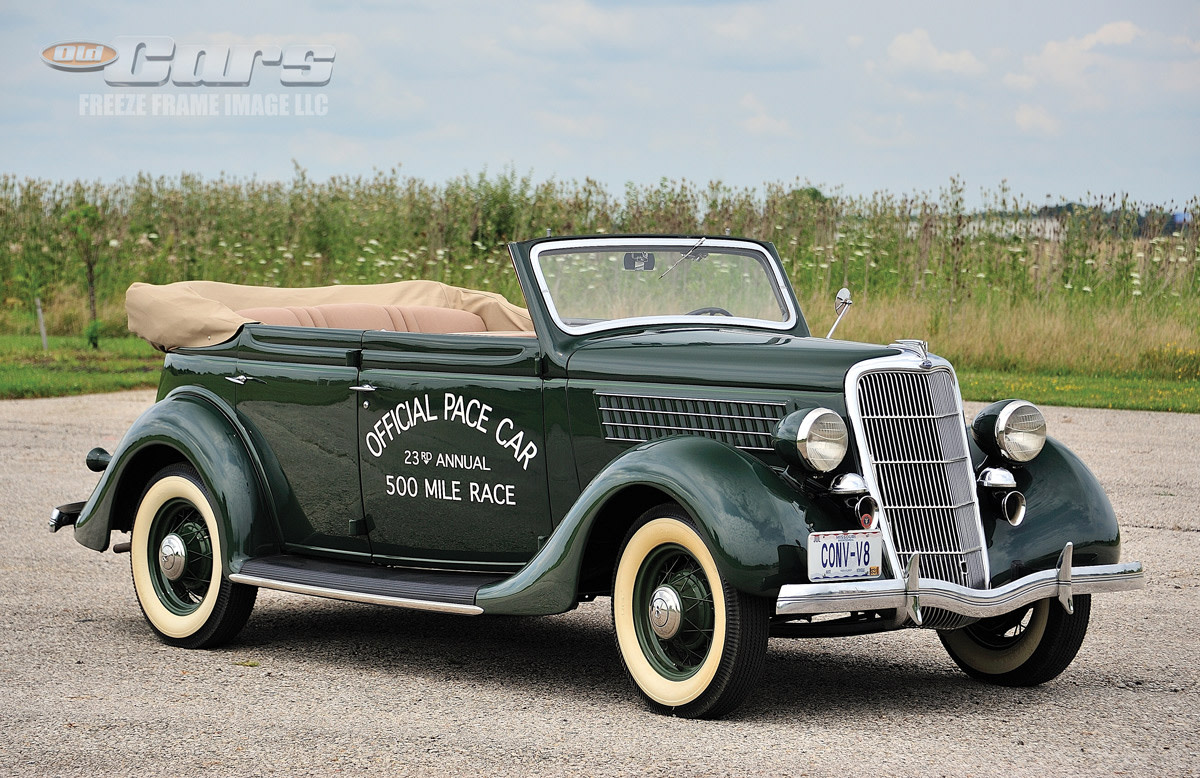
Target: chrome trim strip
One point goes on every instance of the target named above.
(844, 597)
(684, 413)
(341, 594)
(953, 461)
(672, 428)
(912, 416)
(647, 440)
(772, 403)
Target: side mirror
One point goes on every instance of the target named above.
(841, 304)
(842, 300)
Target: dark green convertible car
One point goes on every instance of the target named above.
(659, 427)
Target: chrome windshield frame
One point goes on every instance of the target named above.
(782, 287)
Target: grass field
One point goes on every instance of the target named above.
(1105, 292)
(72, 367)
(1128, 392)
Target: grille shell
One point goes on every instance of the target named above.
(912, 442)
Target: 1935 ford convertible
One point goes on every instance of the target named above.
(658, 427)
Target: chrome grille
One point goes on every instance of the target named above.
(639, 418)
(916, 449)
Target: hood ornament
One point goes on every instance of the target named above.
(918, 348)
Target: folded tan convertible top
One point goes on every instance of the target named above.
(201, 313)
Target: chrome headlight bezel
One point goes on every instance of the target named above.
(817, 439)
(1014, 430)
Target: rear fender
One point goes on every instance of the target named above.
(195, 426)
(755, 524)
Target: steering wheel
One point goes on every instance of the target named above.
(709, 311)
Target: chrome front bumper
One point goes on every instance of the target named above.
(913, 592)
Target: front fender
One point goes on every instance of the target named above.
(754, 523)
(1064, 503)
(196, 426)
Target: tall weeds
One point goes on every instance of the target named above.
(1109, 284)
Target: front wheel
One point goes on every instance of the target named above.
(692, 645)
(1027, 647)
(176, 558)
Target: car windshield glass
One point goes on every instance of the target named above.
(597, 286)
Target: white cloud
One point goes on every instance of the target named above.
(915, 51)
(1022, 81)
(570, 126)
(1073, 63)
(881, 131)
(569, 24)
(898, 97)
(1114, 33)
(741, 24)
(1187, 43)
(316, 147)
(760, 122)
(1036, 120)
(748, 24)
(1182, 77)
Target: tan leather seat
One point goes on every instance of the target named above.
(364, 316)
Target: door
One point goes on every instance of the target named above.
(294, 396)
(451, 448)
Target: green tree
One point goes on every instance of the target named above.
(84, 224)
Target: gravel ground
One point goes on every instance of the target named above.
(316, 687)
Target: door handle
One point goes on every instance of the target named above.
(363, 388)
(241, 380)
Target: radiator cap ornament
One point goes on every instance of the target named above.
(918, 347)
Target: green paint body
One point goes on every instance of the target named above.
(299, 459)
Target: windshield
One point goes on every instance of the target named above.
(602, 283)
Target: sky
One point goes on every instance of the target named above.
(1058, 100)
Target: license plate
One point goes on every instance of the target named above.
(837, 555)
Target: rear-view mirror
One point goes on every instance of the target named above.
(639, 260)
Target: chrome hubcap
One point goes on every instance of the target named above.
(666, 611)
(172, 557)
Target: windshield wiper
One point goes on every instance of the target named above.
(685, 255)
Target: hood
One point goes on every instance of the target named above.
(722, 358)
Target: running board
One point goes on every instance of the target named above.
(427, 590)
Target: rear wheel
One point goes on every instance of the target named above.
(692, 645)
(1027, 647)
(176, 559)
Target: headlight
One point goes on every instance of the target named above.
(1013, 429)
(816, 439)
